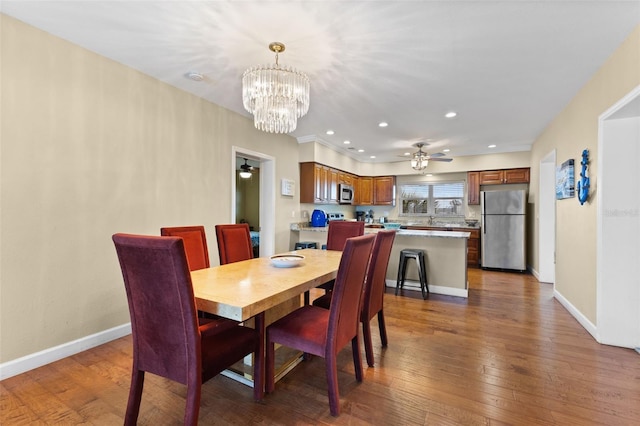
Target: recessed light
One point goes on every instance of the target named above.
(429, 174)
(446, 150)
(407, 153)
(195, 76)
(330, 132)
(361, 150)
(372, 156)
(491, 146)
(450, 114)
(346, 142)
(383, 124)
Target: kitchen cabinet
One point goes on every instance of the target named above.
(320, 184)
(473, 188)
(384, 190)
(492, 177)
(364, 191)
(332, 185)
(314, 183)
(497, 177)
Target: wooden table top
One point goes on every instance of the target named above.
(242, 290)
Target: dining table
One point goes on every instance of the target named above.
(249, 289)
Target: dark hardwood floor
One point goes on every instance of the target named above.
(509, 354)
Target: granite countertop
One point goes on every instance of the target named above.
(401, 232)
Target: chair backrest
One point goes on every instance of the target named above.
(164, 323)
(340, 230)
(234, 242)
(344, 313)
(195, 244)
(377, 274)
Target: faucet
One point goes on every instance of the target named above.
(430, 220)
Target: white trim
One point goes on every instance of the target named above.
(267, 196)
(436, 289)
(47, 356)
(603, 332)
(584, 321)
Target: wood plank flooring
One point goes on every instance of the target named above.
(509, 354)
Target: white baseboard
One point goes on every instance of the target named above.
(584, 322)
(38, 359)
(447, 291)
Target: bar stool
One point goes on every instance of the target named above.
(418, 255)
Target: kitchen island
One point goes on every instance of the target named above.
(446, 257)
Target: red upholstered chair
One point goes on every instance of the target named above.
(373, 295)
(323, 332)
(234, 242)
(195, 244)
(340, 230)
(168, 338)
(338, 233)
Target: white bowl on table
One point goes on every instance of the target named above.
(286, 260)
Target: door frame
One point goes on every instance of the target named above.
(617, 297)
(547, 219)
(267, 195)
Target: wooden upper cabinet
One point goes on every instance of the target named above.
(491, 177)
(497, 177)
(346, 178)
(364, 191)
(516, 175)
(332, 185)
(384, 190)
(314, 180)
(473, 188)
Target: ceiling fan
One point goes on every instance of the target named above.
(420, 159)
(245, 170)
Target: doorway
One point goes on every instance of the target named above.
(618, 224)
(547, 220)
(267, 196)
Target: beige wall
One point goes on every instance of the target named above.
(573, 130)
(89, 148)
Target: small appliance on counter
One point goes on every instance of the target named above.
(360, 216)
(318, 218)
(335, 216)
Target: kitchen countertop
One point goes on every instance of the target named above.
(403, 232)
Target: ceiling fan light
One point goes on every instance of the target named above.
(245, 175)
(419, 163)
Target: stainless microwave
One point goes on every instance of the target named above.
(345, 193)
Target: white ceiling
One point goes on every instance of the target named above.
(506, 67)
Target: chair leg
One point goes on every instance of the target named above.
(306, 298)
(332, 385)
(270, 382)
(135, 396)
(383, 328)
(421, 277)
(192, 408)
(357, 358)
(368, 346)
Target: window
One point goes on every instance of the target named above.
(432, 199)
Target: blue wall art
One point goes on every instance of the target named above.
(565, 180)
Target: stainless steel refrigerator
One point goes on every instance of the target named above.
(503, 229)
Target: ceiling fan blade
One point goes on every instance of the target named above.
(437, 154)
(447, 160)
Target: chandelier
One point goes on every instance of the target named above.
(275, 96)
